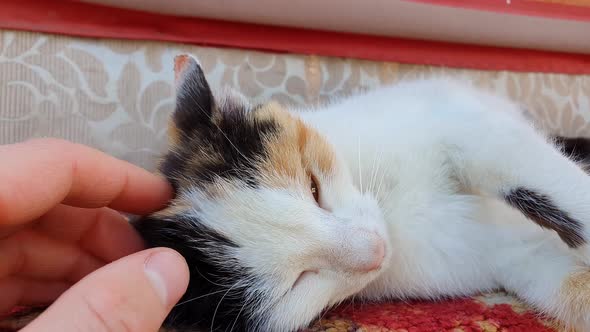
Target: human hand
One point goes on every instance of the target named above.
(60, 231)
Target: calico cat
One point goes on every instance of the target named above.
(425, 189)
(422, 190)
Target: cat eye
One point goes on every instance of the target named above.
(315, 189)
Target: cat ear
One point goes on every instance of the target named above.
(195, 104)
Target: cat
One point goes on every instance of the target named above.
(425, 189)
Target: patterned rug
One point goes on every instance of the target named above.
(492, 312)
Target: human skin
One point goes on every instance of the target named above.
(62, 240)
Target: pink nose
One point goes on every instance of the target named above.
(378, 255)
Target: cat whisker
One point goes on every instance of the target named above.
(209, 281)
(237, 317)
(219, 303)
(378, 175)
(377, 162)
(360, 173)
(199, 297)
(383, 172)
(373, 171)
(323, 314)
(221, 131)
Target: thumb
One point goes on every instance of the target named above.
(133, 294)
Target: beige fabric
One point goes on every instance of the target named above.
(116, 95)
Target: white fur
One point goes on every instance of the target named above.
(439, 138)
(421, 166)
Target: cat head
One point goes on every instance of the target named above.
(266, 214)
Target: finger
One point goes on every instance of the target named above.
(104, 233)
(33, 255)
(7, 230)
(133, 294)
(25, 292)
(40, 174)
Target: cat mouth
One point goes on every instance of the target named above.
(303, 276)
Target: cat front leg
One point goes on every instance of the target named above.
(550, 280)
(500, 155)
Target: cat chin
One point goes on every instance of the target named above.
(299, 312)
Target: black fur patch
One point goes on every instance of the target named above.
(231, 134)
(194, 101)
(577, 148)
(213, 143)
(236, 143)
(541, 209)
(209, 295)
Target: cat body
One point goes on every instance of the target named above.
(426, 189)
(447, 236)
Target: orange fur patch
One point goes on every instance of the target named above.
(173, 133)
(575, 293)
(178, 207)
(316, 149)
(295, 151)
(180, 63)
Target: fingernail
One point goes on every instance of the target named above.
(168, 273)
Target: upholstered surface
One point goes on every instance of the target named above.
(116, 96)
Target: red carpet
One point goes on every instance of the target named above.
(461, 315)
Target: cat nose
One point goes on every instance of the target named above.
(377, 255)
(357, 250)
